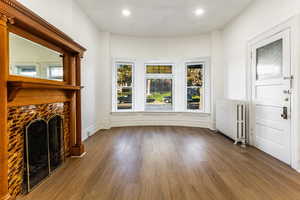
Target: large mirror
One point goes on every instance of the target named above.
(27, 58)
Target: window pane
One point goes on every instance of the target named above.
(195, 75)
(159, 95)
(269, 60)
(124, 75)
(194, 98)
(159, 69)
(124, 98)
(194, 86)
(124, 86)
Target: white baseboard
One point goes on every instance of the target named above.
(296, 166)
(106, 124)
(81, 156)
(151, 119)
(91, 130)
(161, 119)
(213, 126)
(141, 122)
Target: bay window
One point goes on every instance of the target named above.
(160, 87)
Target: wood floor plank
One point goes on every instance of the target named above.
(169, 163)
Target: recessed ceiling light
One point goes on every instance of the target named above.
(126, 12)
(199, 12)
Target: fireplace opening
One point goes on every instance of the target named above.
(55, 142)
(44, 150)
(36, 149)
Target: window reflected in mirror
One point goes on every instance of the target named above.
(27, 58)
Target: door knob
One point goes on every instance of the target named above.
(284, 114)
(288, 78)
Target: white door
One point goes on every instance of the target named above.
(271, 89)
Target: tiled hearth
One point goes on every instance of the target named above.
(18, 119)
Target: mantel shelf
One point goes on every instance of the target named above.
(15, 86)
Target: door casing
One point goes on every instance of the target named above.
(292, 24)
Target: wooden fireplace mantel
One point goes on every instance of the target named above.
(19, 91)
(33, 85)
(15, 86)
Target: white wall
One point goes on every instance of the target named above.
(217, 71)
(96, 65)
(160, 48)
(259, 17)
(68, 17)
(227, 51)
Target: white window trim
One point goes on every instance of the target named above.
(160, 76)
(177, 81)
(117, 62)
(206, 88)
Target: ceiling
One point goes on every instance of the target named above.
(162, 17)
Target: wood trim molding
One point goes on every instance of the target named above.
(78, 148)
(33, 85)
(4, 195)
(21, 16)
(15, 78)
(22, 9)
(7, 19)
(15, 86)
(7, 197)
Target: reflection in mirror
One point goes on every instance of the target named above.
(27, 58)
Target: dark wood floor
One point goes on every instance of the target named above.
(162, 163)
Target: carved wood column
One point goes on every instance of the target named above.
(78, 148)
(4, 195)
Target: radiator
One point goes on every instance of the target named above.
(231, 120)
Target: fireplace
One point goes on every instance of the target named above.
(36, 154)
(40, 115)
(39, 121)
(43, 150)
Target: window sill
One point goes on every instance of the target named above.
(160, 112)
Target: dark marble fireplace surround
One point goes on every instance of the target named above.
(38, 134)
